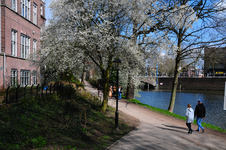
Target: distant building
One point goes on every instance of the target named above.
(21, 22)
(188, 72)
(214, 61)
(191, 71)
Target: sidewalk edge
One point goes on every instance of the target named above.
(112, 145)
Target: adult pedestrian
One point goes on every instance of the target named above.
(110, 92)
(189, 117)
(119, 92)
(200, 113)
(99, 90)
(114, 90)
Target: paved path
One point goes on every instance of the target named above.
(159, 132)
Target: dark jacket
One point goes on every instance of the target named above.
(200, 110)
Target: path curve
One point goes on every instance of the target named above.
(158, 131)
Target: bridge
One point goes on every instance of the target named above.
(148, 79)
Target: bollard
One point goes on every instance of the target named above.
(42, 90)
(17, 93)
(7, 95)
(46, 89)
(50, 88)
(25, 91)
(31, 89)
(37, 90)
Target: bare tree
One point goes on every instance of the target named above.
(191, 26)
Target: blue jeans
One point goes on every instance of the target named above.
(119, 97)
(199, 120)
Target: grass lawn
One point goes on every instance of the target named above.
(59, 122)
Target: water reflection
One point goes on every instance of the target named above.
(213, 100)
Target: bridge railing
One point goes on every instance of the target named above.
(182, 77)
(193, 77)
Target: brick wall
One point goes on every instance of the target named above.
(22, 26)
(13, 20)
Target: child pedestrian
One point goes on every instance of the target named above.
(190, 117)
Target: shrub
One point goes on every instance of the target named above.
(93, 82)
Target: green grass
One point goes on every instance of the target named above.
(59, 122)
(166, 112)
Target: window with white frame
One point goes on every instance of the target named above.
(25, 46)
(13, 77)
(34, 75)
(25, 77)
(41, 9)
(34, 13)
(34, 49)
(14, 5)
(25, 9)
(14, 43)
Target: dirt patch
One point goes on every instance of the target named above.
(129, 120)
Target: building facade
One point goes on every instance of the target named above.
(214, 61)
(21, 23)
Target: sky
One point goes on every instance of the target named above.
(48, 13)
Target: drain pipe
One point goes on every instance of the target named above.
(1, 49)
(3, 69)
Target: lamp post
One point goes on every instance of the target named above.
(116, 65)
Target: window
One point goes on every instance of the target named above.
(25, 9)
(13, 77)
(25, 46)
(34, 49)
(25, 78)
(14, 43)
(34, 13)
(41, 9)
(14, 5)
(34, 75)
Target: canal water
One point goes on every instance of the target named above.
(213, 101)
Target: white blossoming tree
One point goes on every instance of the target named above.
(89, 29)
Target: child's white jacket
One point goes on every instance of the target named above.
(189, 115)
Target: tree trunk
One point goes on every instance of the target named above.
(105, 91)
(174, 88)
(176, 74)
(83, 76)
(130, 89)
(214, 71)
(84, 71)
(105, 98)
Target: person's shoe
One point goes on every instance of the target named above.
(197, 130)
(203, 130)
(189, 132)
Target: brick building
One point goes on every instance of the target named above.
(21, 23)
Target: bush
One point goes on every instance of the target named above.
(93, 82)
